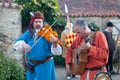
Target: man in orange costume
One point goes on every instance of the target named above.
(97, 51)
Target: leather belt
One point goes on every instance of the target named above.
(37, 62)
(94, 68)
(29, 67)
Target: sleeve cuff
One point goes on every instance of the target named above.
(57, 50)
(18, 46)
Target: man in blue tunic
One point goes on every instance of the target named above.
(39, 51)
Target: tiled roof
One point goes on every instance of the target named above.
(84, 8)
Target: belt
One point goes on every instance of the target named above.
(94, 68)
(37, 62)
(29, 67)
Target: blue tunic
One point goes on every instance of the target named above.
(40, 51)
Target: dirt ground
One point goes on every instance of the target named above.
(60, 71)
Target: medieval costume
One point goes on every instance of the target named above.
(42, 52)
(97, 55)
(67, 31)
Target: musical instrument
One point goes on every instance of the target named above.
(102, 76)
(80, 56)
(47, 32)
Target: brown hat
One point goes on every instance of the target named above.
(35, 15)
(38, 14)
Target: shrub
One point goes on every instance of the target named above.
(93, 27)
(59, 60)
(10, 69)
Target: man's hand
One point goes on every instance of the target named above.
(26, 47)
(53, 40)
(86, 46)
(91, 37)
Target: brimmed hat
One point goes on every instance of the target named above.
(110, 24)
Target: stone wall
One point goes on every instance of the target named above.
(10, 25)
(101, 21)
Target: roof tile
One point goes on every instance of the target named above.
(100, 8)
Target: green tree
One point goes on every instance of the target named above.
(50, 9)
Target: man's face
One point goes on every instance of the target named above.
(38, 23)
(110, 29)
(80, 31)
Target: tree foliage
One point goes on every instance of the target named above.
(93, 27)
(49, 8)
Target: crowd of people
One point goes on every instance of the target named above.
(97, 45)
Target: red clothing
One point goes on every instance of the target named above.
(97, 55)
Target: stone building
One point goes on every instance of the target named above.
(95, 11)
(10, 25)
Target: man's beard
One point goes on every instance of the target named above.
(37, 29)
